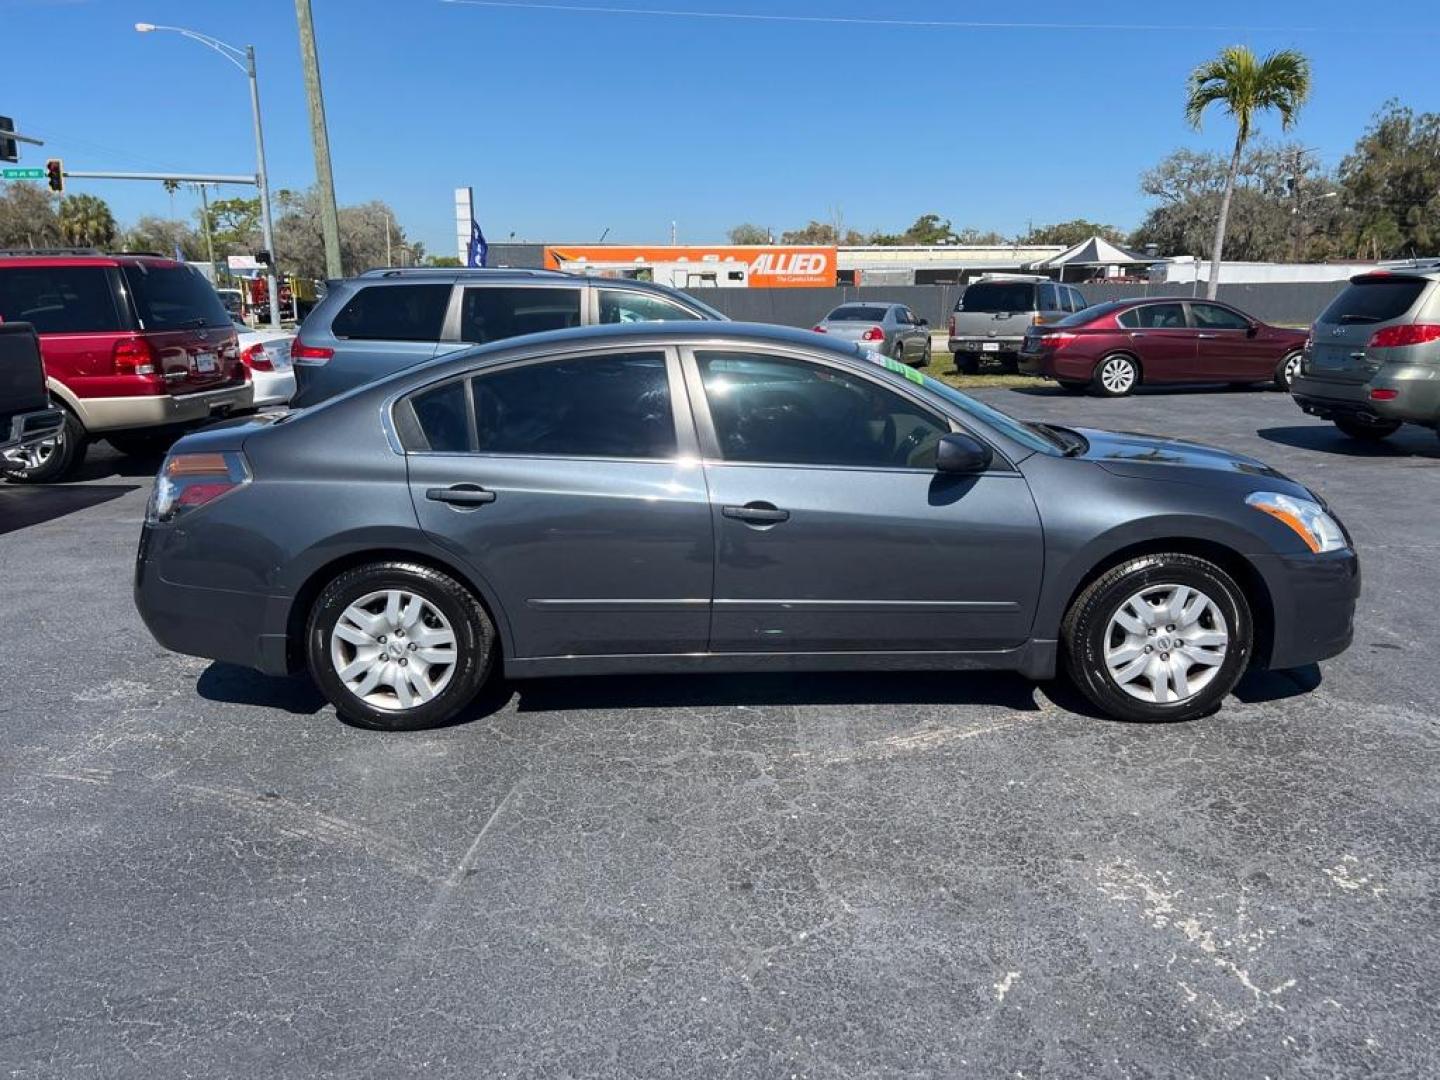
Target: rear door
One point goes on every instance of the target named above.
(1369, 303)
(572, 487)
(181, 316)
(485, 313)
(1161, 337)
(385, 327)
(1226, 346)
(79, 315)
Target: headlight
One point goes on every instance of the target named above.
(1311, 523)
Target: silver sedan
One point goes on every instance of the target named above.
(891, 329)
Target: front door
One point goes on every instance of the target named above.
(834, 532)
(561, 484)
(1226, 347)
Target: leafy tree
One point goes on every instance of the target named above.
(816, 232)
(363, 229)
(747, 233)
(929, 229)
(1246, 86)
(27, 217)
(442, 260)
(163, 236)
(1070, 233)
(1391, 185)
(86, 221)
(976, 237)
(235, 226)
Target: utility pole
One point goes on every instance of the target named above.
(209, 237)
(329, 221)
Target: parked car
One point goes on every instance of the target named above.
(722, 497)
(137, 349)
(993, 314)
(1372, 361)
(1114, 348)
(892, 330)
(266, 353)
(27, 419)
(387, 320)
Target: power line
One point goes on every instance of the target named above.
(929, 24)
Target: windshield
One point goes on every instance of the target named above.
(991, 417)
(996, 296)
(856, 314)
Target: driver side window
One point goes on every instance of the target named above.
(774, 410)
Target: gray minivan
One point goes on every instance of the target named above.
(386, 320)
(993, 314)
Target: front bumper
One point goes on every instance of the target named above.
(164, 410)
(1313, 601)
(1416, 401)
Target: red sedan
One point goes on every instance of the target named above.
(1113, 348)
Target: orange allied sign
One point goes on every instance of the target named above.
(767, 266)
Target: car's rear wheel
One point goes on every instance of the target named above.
(399, 646)
(925, 356)
(49, 461)
(1009, 363)
(1116, 376)
(1367, 430)
(1159, 637)
(967, 363)
(1287, 371)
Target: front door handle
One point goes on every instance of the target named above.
(461, 495)
(1205, 335)
(756, 513)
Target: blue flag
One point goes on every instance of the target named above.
(478, 253)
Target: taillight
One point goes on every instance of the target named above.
(309, 354)
(873, 334)
(952, 325)
(189, 481)
(819, 329)
(133, 356)
(257, 358)
(1038, 320)
(1383, 394)
(1058, 341)
(1410, 334)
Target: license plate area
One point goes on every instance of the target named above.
(206, 363)
(989, 346)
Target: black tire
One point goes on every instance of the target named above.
(925, 356)
(1367, 431)
(1097, 383)
(143, 443)
(1009, 363)
(1283, 377)
(52, 461)
(1087, 628)
(476, 643)
(967, 363)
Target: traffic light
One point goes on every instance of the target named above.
(55, 174)
(9, 149)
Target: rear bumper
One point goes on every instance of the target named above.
(163, 410)
(1416, 401)
(29, 428)
(977, 344)
(1313, 597)
(273, 387)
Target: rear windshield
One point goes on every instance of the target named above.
(856, 314)
(994, 296)
(60, 299)
(1374, 300)
(1090, 314)
(174, 298)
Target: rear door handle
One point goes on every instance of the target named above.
(461, 495)
(756, 513)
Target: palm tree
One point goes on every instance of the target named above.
(1245, 85)
(86, 221)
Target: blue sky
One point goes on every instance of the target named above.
(567, 123)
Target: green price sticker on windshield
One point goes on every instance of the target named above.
(903, 369)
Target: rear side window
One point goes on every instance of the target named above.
(998, 296)
(1049, 298)
(618, 306)
(442, 419)
(493, 313)
(60, 299)
(393, 313)
(616, 405)
(1374, 300)
(1077, 301)
(1153, 317)
(174, 298)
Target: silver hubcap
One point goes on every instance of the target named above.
(33, 457)
(393, 650)
(1292, 369)
(1117, 375)
(1165, 644)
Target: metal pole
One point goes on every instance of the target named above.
(272, 290)
(329, 221)
(209, 237)
(387, 241)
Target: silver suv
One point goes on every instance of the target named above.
(1373, 359)
(386, 320)
(993, 314)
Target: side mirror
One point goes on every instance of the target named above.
(922, 322)
(962, 454)
(1254, 329)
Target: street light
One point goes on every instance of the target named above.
(244, 59)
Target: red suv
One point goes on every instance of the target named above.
(1112, 348)
(137, 348)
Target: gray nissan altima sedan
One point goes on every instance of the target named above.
(719, 497)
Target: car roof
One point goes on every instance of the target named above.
(868, 303)
(61, 259)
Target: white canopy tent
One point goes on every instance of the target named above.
(1092, 254)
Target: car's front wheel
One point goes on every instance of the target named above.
(1287, 371)
(1367, 430)
(1159, 637)
(399, 646)
(48, 461)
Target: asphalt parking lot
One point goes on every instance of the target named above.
(206, 874)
